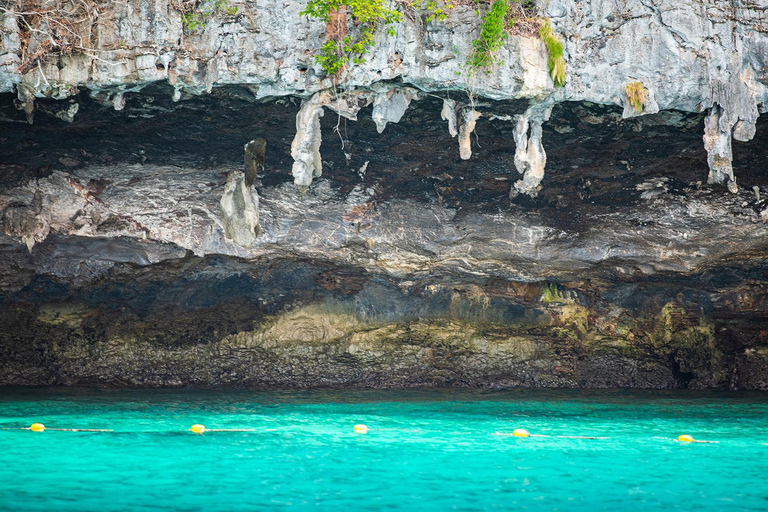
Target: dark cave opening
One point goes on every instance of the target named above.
(593, 156)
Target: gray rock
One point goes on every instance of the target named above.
(389, 106)
(239, 208)
(305, 150)
(254, 160)
(467, 119)
(404, 265)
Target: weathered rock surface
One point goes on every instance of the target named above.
(299, 323)
(366, 246)
(690, 55)
(239, 209)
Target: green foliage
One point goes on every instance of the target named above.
(491, 39)
(332, 57)
(635, 93)
(555, 62)
(198, 18)
(436, 9)
(192, 21)
(550, 294)
(336, 53)
(500, 19)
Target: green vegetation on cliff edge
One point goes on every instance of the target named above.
(345, 45)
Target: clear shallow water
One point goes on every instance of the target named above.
(426, 450)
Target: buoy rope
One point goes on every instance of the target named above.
(230, 430)
(544, 435)
(359, 428)
(62, 429)
(79, 429)
(583, 437)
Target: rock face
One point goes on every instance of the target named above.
(366, 246)
(690, 55)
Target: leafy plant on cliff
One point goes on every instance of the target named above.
(491, 38)
(196, 14)
(504, 18)
(555, 61)
(436, 10)
(341, 47)
(636, 95)
(551, 294)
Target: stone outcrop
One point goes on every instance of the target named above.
(462, 120)
(381, 274)
(239, 209)
(253, 162)
(191, 321)
(530, 157)
(390, 105)
(305, 149)
(467, 120)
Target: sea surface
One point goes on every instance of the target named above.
(424, 450)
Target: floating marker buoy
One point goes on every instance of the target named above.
(520, 432)
(685, 438)
(360, 429)
(37, 427)
(197, 428)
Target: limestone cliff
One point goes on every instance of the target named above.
(690, 55)
(407, 222)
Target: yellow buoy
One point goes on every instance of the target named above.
(360, 429)
(520, 432)
(37, 427)
(685, 438)
(197, 428)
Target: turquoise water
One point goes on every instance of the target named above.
(425, 450)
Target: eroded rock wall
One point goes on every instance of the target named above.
(562, 238)
(689, 55)
(300, 323)
(402, 266)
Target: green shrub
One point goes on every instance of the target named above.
(198, 18)
(338, 50)
(436, 9)
(491, 39)
(555, 62)
(550, 294)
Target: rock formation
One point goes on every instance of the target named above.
(254, 160)
(240, 210)
(135, 251)
(305, 149)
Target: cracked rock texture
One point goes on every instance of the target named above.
(386, 236)
(691, 55)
